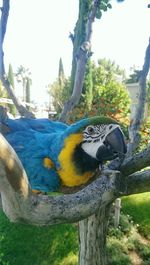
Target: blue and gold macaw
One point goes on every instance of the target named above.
(55, 154)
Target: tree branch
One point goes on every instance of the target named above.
(78, 84)
(138, 183)
(3, 25)
(136, 162)
(82, 56)
(138, 119)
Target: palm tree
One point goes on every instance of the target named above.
(23, 76)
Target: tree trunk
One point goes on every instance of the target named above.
(92, 238)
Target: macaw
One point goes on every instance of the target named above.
(54, 153)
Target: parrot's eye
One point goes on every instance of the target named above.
(90, 130)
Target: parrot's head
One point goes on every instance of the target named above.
(100, 137)
(103, 139)
(91, 142)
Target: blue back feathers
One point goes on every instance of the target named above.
(33, 140)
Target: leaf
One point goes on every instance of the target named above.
(109, 6)
(98, 14)
(103, 6)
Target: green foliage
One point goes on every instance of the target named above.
(60, 91)
(117, 253)
(124, 240)
(10, 77)
(144, 252)
(134, 76)
(109, 96)
(147, 262)
(104, 6)
(3, 93)
(102, 93)
(148, 96)
(111, 99)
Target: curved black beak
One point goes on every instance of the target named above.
(113, 146)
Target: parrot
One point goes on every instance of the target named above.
(55, 153)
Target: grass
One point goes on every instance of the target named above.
(58, 245)
(24, 244)
(138, 206)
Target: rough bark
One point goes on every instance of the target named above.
(138, 119)
(92, 238)
(3, 24)
(136, 162)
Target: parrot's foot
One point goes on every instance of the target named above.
(110, 173)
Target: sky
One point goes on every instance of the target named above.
(38, 30)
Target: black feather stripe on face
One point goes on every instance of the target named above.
(84, 162)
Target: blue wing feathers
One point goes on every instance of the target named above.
(36, 139)
(33, 140)
(40, 125)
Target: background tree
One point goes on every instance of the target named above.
(60, 89)
(61, 74)
(12, 108)
(148, 96)
(23, 76)
(103, 92)
(28, 91)
(110, 96)
(3, 93)
(134, 76)
(87, 92)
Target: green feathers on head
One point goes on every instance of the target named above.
(80, 125)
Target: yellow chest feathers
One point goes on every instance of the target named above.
(68, 172)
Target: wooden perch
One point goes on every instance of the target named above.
(20, 205)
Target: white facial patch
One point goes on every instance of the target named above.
(94, 137)
(91, 148)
